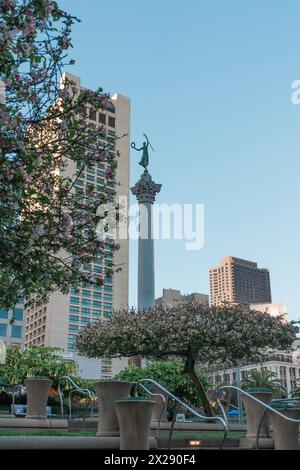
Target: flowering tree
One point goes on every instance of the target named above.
(195, 333)
(47, 224)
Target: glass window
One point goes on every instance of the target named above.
(18, 314)
(111, 121)
(74, 309)
(110, 107)
(74, 300)
(73, 328)
(101, 118)
(85, 311)
(74, 318)
(97, 295)
(3, 329)
(92, 114)
(86, 293)
(3, 314)
(16, 331)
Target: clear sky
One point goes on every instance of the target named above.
(210, 83)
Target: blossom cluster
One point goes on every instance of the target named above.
(202, 334)
(47, 228)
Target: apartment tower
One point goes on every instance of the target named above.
(57, 322)
(239, 281)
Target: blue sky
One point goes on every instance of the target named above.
(210, 83)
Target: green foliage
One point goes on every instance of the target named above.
(171, 375)
(264, 379)
(35, 361)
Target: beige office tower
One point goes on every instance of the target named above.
(239, 281)
(57, 322)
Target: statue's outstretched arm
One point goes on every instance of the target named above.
(133, 146)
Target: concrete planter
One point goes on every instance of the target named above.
(285, 434)
(134, 417)
(160, 408)
(37, 389)
(254, 413)
(107, 393)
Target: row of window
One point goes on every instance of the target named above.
(102, 118)
(92, 303)
(17, 314)
(16, 330)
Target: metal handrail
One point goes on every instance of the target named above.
(76, 388)
(187, 407)
(164, 402)
(264, 405)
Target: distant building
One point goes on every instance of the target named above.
(275, 310)
(239, 281)
(12, 325)
(171, 297)
(286, 366)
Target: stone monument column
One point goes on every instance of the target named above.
(145, 191)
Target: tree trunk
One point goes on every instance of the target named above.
(190, 370)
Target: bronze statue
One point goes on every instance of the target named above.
(145, 155)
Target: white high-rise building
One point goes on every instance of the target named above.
(57, 322)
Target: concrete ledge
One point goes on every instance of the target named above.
(52, 442)
(200, 426)
(250, 443)
(22, 424)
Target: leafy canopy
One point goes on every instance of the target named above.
(35, 361)
(208, 335)
(171, 374)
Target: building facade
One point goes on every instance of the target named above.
(171, 297)
(239, 281)
(285, 365)
(57, 322)
(12, 326)
(275, 310)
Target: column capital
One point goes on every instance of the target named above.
(145, 189)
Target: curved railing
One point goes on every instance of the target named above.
(184, 405)
(84, 391)
(264, 405)
(164, 402)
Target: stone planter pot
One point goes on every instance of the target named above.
(37, 390)
(134, 417)
(160, 407)
(107, 393)
(285, 434)
(254, 412)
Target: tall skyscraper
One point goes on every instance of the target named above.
(57, 322)
(239, 281)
